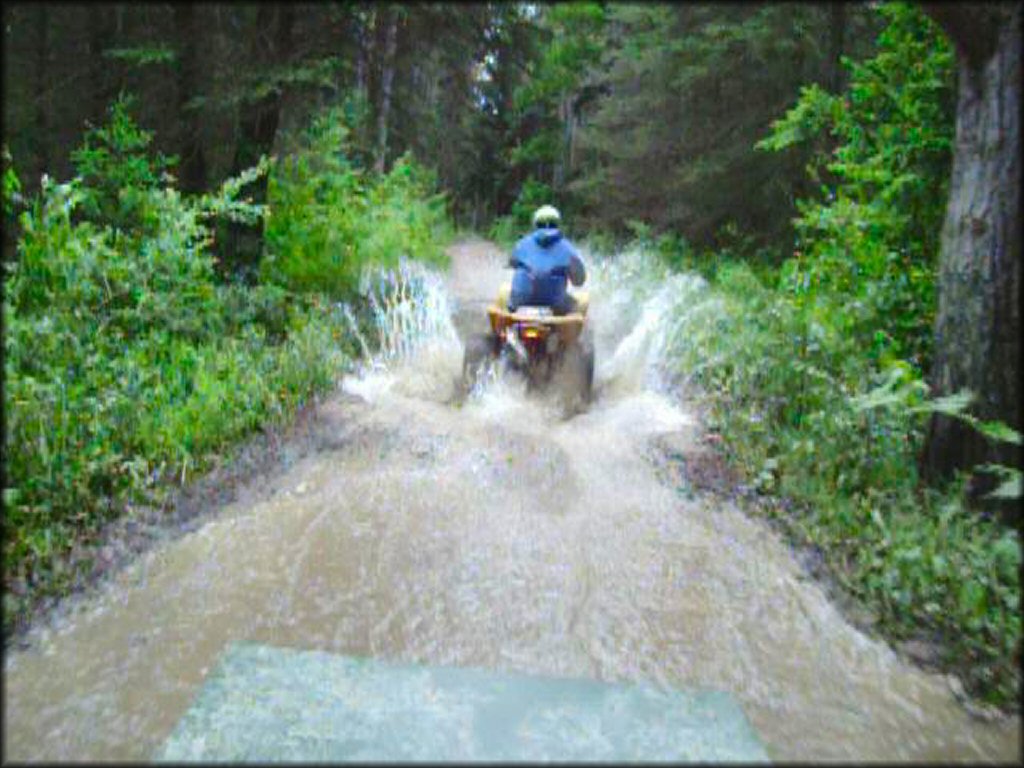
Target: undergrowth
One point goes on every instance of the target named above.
(130, 366)
(797, 421)
(329, 218)
(814, 369)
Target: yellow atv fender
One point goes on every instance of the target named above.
(568, 326)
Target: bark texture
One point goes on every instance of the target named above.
(101, 36)
(193, 160)
(258, 121)
(386, 81)
(257, 128)
(42, 116)
(837, 29)
(977, 327)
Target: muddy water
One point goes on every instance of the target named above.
(491, 533)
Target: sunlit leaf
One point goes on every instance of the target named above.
(1011, 485)
(143, 55)
(951, 405)
(997, 430)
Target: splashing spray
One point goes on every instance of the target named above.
(418, 352)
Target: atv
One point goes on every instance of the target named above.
(546, 348)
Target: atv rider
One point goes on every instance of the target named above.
(543, 261)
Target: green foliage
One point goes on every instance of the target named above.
(680, 95)
(11, 184)
(143, 55)
(129, 366)
(574, 39)
(259, 84)
(224, 203)
(808, 418)
(532, 196)
(575, 31)
(903, 390)
(813, 371)
(117, 170)
(126, 364)
(505, 232)
(869, 247)
(329, 218)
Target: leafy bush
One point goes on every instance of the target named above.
(117, 170)
(867, 250)
(801, 414)
(329, 218)
(11, 185)
(126, 364)
(505, 232)
(813, 371)
(129, 365)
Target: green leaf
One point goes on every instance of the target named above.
(143, 55)
(997, 430)
(1010, 487)
(951, 405)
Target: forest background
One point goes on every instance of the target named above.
(192, 194)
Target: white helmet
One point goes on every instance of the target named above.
(547, 216)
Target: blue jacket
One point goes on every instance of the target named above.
(543, 261)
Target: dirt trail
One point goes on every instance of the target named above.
(491, 534)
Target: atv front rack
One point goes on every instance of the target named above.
(568, 326)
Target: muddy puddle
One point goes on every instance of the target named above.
(489, 533)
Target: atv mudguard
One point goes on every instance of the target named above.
(567, 326)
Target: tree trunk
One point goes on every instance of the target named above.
(386, 80)
(362, 29)
(258, 121)
(574, 123)
(837, 28)
(561, 173)
(101, 31)
(193, 162)
(257, 128)
(42, 121)
(977, 327)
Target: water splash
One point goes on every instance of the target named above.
(638, 309)
(354, 325)
(491, 535)
(418, 350)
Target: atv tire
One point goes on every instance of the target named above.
(576, 376)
